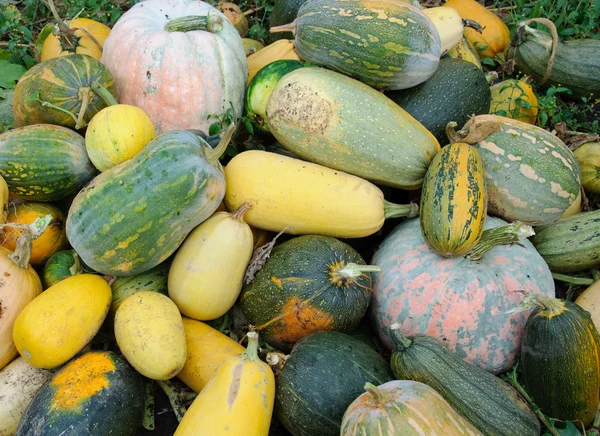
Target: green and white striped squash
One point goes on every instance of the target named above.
(384, 43)
(531, 175)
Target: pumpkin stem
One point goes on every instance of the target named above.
(508, 234)
(277, 361)
(62, 26)
(572, 280)
(474, 131)
(84, 94)
(344, 275)
(251, 353)
(291, 27)
(22, 253)
(472, 24)
(392, 210)
(489, 77)
(217, 152)
(77, 268)
(104, 94)
(89, 35)
(379, 396)
(241, 211)
(545, 306)
(212, 23)
(400, 341)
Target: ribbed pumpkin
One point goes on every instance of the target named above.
(404, 408)
(308, 284)
(514, 99)
(179, 70)
(279, 50)
(588, 156)
(495, 36)
(87, 38)
(459, 301)
(61, 91)
(52, 240)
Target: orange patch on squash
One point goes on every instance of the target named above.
(299, 319)
(80, 380)
(276, 281)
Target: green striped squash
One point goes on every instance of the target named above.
(62, 264)
(384, 43)
(43, 162)
(571, 244)
(55, 91)
(134, 216)
(531, 175)
(330, 119)
(454, 200)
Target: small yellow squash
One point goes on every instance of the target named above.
(206, 349)
(116, 134)
(62, 320)
(207, 273)
(238, 399)
(588, 156)
(590, 301)
(281, 49)
(87, 38)
(514, 99)
(149, 332)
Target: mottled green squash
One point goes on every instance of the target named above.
(43, 162)
(62, 264)
(314, 113)
(308, 284)
(95, 394)
(134, 216)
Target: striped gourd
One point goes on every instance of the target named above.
(453, 200)
(43, 162)
(384, 43)
(314, 113)
(134, 216)
(531, 175)
(572, 244)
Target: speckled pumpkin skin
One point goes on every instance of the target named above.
(456, 300)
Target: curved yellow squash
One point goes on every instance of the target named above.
(207, 273)
(454, 200)
(206, 349)
(62, 320)
(303, 197)
(149, 332)
(237, 401)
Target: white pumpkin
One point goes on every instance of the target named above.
(178, 78)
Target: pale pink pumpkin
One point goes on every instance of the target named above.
(177, 78)
(461, 302)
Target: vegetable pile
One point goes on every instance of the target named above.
(355, 228)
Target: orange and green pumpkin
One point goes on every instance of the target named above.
(86, 37)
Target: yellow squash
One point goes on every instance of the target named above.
(465, 51)
(306, 198)
(3, 200)
(251, 46)
(19, 285)
(574, 208)
(149, 332)
(87, 38)
(62, 320)
(514, 99)
(590, 301)
(206, 349)
(281, 49)
(237, 401)
(207, 273)
(588, 156)
(116, 134)
(449, 25)
(495, 36)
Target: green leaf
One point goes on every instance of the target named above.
(523, 103)
(543, 118)
(488, 61)
(249, 126)
(39, 42)
(10, 73)
(215, 128)
(501, 112)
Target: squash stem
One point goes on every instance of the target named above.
(344, 274)
(391, 210)
(508, 234)
(149, 403)
(174, 398)
(546, 306)
(401, 341)
(472, 24)
(379, 396)
(104, 94)
(217, 152)
(291, 27)
(572, 280)
(595, 274)
(241, 211)
(212, 23)
(84, 94)
(62, 26)
(251, 353)
(22, 253)
(77, 268)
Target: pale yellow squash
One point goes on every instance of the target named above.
(19, 384)
(305, 198)
(574, 208)
(62, 320)
(590, 301)
(116, 134)
(449, 25)
(149, 332)
(237, 401)
(588, 156)
(279, 50)
(206, 349)
(207, 273)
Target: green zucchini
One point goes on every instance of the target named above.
(560, 359)
(490, 404)
(457, 90)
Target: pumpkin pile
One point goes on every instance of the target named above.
(379, 259)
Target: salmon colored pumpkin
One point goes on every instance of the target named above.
(176, 74)
(52, 240)
(87, 38)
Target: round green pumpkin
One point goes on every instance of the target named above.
(62, 264)
(95, 394)
(54, 91)
(309, 284)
